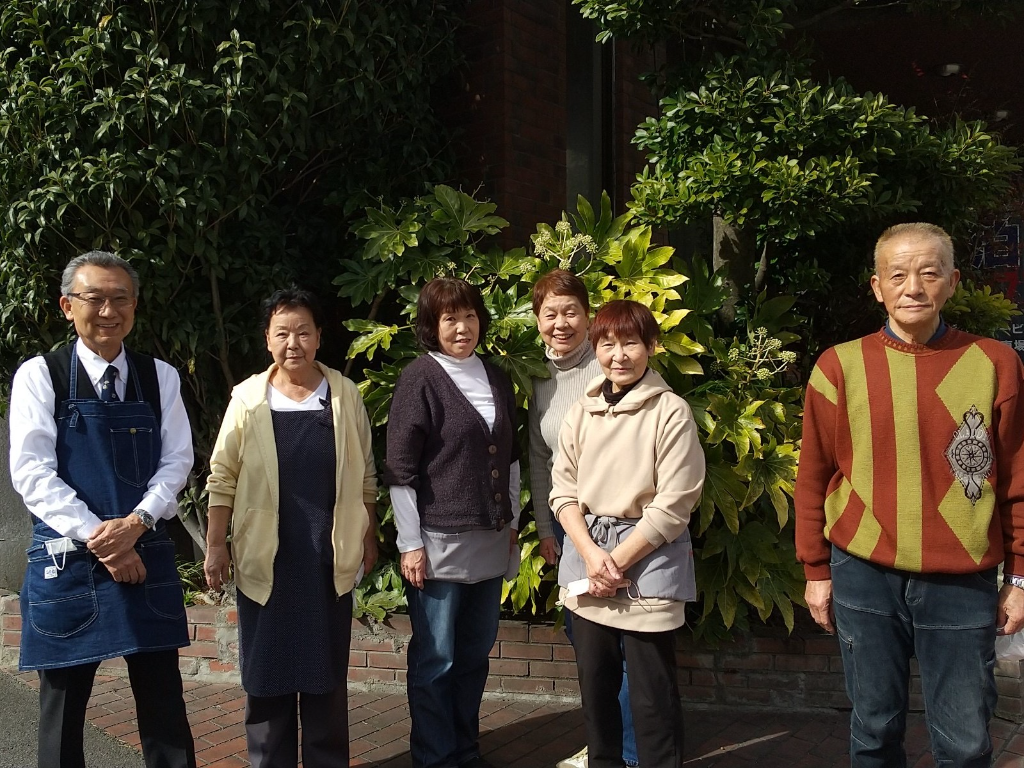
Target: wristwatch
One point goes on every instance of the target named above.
(1017, 581)
(147, 519)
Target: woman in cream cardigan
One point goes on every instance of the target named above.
(293, 474)
(628, 473)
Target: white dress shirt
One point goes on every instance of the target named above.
(33, 455)
(470, 377)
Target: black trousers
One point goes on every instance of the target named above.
(272, 729)
(653, 694)
(156, 684)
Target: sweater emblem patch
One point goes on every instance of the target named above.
(970, 454)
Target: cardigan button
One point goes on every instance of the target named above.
(495, 473)
(497, 497)
(492, 449)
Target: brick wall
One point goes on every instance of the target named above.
(769, 669)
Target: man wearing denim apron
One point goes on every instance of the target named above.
(100, 449)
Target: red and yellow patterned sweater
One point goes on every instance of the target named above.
(913, 456)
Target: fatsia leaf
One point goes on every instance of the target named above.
(773, 473)
(371, 336)
(723, 489)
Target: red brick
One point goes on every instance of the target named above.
(399, 624)
(202, 650)
(510, 667)
(205, 632)
(222, 666)
(382, 660)
(230, 616)
(752, 661)
(777, 645)
(825, 645)
(786, 663)
(10, 639)
(695, 660)
(357, 658)
(514, 631)
(10, 622)
(563, 653)
(702, 677)
(540, 651)
(540, 633)
(553, 669)
(202, 614)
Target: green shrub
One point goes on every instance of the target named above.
(748, 419)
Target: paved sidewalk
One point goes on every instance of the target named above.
(521, 733)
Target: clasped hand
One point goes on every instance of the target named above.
(113, 544)
(605, 576)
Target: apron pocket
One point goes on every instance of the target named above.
(163, 586)
(132, 448)
(65, 604)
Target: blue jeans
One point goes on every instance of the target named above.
(629, 756)
(883, 617)
(454, 627)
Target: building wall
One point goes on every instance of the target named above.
(507, 108)
(15, 529)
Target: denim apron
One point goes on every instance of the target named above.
(73, 612)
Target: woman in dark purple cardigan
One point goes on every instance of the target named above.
(453, 471)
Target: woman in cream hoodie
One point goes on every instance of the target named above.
(629, 471)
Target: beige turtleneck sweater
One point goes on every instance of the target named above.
(552, 398)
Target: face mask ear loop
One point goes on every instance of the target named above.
(63, 559)
(639, 597)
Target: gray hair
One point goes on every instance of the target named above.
(96, 259)
(918, 229)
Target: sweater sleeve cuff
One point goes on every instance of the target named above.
(217, 499)
(818, 571)
(1013, 564)
(653, 535)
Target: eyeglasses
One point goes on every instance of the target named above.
(96, 301)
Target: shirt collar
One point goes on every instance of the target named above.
(939, 332)
(95, 366)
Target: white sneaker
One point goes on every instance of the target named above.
(579, 760)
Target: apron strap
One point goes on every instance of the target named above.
(73, 382)
(143, 380)
(67, 383)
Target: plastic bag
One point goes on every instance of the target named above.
(1010, 647)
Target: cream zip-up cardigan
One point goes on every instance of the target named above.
(640, 459)
(243, 476)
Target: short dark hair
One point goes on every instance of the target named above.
(622, 318)
(447, 294)
(292, 298)
(560, 282)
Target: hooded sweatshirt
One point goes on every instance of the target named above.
(639, 459)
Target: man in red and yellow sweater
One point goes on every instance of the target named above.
(910, 493)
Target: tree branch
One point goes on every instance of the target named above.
(222, 337)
